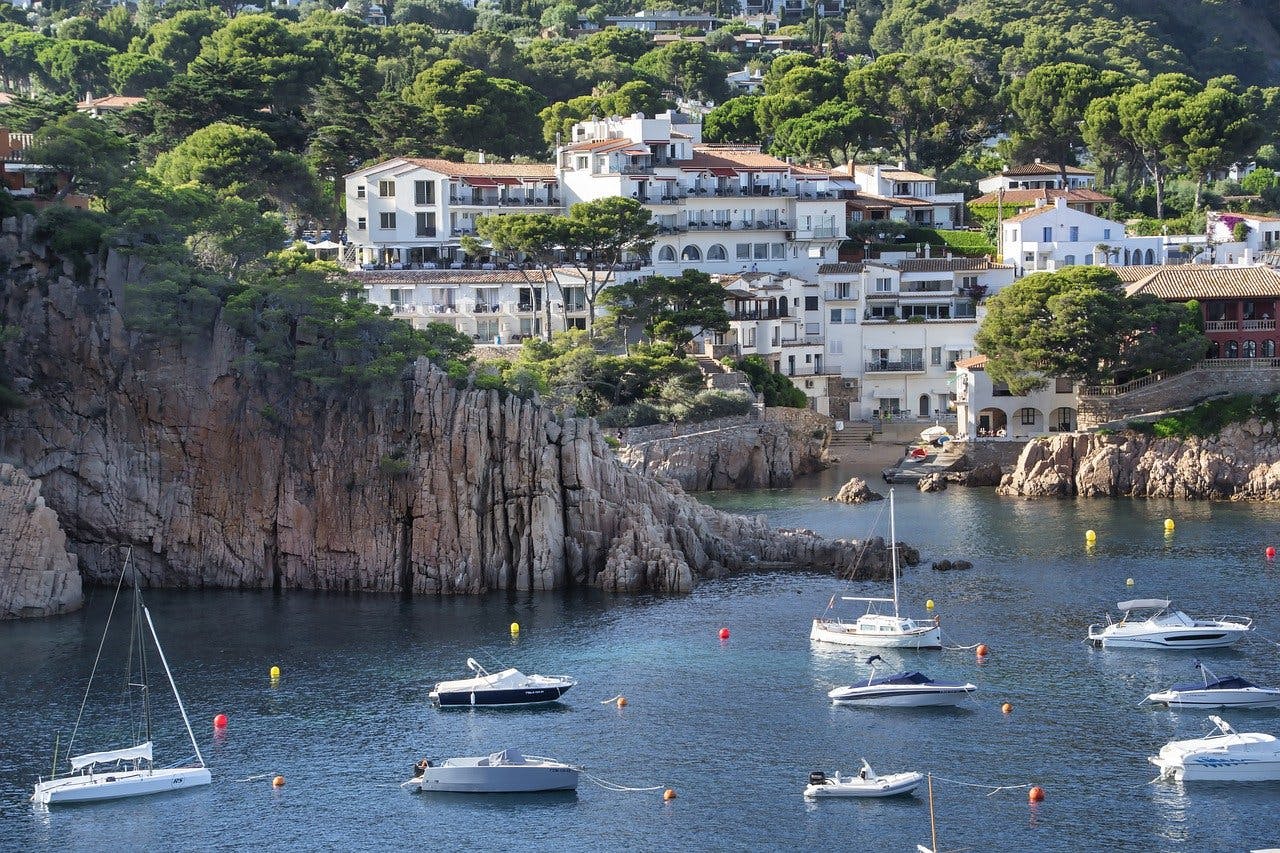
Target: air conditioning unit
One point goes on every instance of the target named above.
(851, 384)
(808, 383)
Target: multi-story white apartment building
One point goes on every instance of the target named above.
(793, 8)
(988, 410)
(908, 196)
(720, 208)
(492, 306)
(415, 211)
(898, 327)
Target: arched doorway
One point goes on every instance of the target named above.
(992, 422)
(1062, 419)
(925, 406)
(1151, 257)
(1233, 349)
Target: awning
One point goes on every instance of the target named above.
(481, 182)
(510, 182)
(324, 244)
(886, 394)
(722, 172)
(133, 753)
(662, 178)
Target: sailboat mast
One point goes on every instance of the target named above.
(160, 651)
(933, 826)
(893, 550)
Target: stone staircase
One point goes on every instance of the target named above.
(853, 434)
(718, 377)
(1216, 377)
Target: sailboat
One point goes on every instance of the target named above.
(881, 630)
(128, 771)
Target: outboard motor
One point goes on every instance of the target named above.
(420, 768)
(817, 777)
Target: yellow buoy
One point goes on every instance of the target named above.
(1090, 536)
(277, 782)
(928, 605)
(622, 702)
(515, 628)
(1168, 525)
(669, 794)
(1128, 581)
(275, 673)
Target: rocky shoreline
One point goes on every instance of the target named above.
(221, 482)
(1240, 464)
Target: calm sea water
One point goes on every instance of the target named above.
(735, 727)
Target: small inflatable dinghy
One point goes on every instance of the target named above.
(865, 784)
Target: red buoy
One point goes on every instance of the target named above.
(1271, 552)
(982, 650)
(220, 721)
(1036, 794)
(724, 633)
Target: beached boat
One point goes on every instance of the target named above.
(128, 771)
(874, 629)
(505, 772)
(1226, 756)
(1166, 628)
(864, 784)
(507, 688)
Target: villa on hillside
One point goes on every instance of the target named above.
(897, 193)
(1239, 304)
(987, 410)
(1262, 236)
(1037, 176)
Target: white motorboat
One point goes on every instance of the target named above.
(863, 785)
(1166, 628)
(901, 690)
(511, 687)
(128, 772)
(1228, 692)
(505, 772)
(1227, 756)
(875, 629)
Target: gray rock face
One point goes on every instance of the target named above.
(225, 483)
(1243, 463)
(935, 482)
(981, 476)
(856, 491)
(37, 575)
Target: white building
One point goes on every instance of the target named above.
(720, 208)
(1037, 176)
(412, 211)
(898, 328)
(986, 410)
(1052, 237)
(912, 196)
(748, 81)
(664, 21)
(1263, 236)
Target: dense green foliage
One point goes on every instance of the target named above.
(673, 310)
(776, 389)
(1209, 418)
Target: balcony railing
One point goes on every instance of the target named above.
(803, 341)
(770, 314)
(1221, 325)
(1256, 325)
(851, 295)
(927, 287)
(882, 366)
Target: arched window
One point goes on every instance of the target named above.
(1233, 349)
(1126, 257)
(691, 253)
(1028, 416)
(1268, 349)
(1249, 349)
(1215, 349)
(1151, 256)
(717, 253)
(666, 254)
(782, 306)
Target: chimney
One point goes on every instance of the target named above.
(480, 159)
(1060, 203)
(875, 174)
(1037, 161)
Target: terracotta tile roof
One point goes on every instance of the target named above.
(1032, 169)
(1030, 213)
(840, 269)
(1197, 281)
(1257, 217)
(973, 362)
(537, 171)
(1135, 272)
(599, 145)
(898, 200)
(947, 264)
(733, 157)
(1020, 198)
(110, 102)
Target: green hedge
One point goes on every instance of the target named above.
(1209, 419)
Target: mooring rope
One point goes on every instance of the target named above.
(958, 648)
(994, 789)
(614, 786)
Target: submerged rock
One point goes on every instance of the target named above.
(856, 491)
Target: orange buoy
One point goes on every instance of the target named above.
(1036, 794)
(277, 782)
(982, 650)
(724, 633)
(622, 701)
(1006, 708)
(669, 794)
(220, 721)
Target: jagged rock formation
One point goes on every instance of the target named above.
(856, 491)
(986, 475)
(742, 455)
(1243, 463)
(224, 482)
(37, 575)
(935, 482)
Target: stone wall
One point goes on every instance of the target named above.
(37, 575)
(1219, 377)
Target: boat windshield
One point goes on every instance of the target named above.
(903, 678)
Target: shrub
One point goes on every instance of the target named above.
(1210, 418)
(394, 464)
(709, 405)
(71, 233)
(630, 415)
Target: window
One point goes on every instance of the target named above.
(840, 290)
(1027, 416)
(811, 303)
(1233, 349)
(913, 357)
(387, 220)
(836, 316)
(836, 347)
(1268, 349)
(1106, 233)
(1046, 234)
(880, 312)
(1088, 259)
(691, 253)
(667, 254)
(360, 190)
(717, 253)
(386, 189)
(760, 251)
(744, 251)
(362, 224)
(935, 356)
(1073, 234)
(1069, 261)
(777, 251)
(575, 298)
(425, 224)
(1249, 349)
(582, 163)
(884, 285)
(577, 323)
(969, 281)
(928, 312)
(424, 192)
(1063, 386)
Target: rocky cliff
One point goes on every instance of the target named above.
(37, 575)
(741, 454)
(1243, 463)
(224, 483)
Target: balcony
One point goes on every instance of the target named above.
(804, 341)
(927, 287)
(760, 314)
(884, 366)
(1221, 325)
(851, 295)
(817, 232)
(1256, 325)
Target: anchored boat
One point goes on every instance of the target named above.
(901, 690)
(863, 785)
(1166, 628)
(508, 688)
(1228, 692)
(505, 772)
(875, 629)
(1227, 756)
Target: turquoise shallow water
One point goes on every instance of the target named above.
(734, 727)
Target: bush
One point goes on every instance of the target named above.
(1209, 419)
(71, 233)
(709, 405)
(776, 388)
(630, 415)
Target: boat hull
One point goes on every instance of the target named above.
(1212, 638)
(1249, 698)
(844, 634)
(499, 698)
(499, 780)
(96, 787)
(895, 785)
(906, 698)
(1220, 768)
